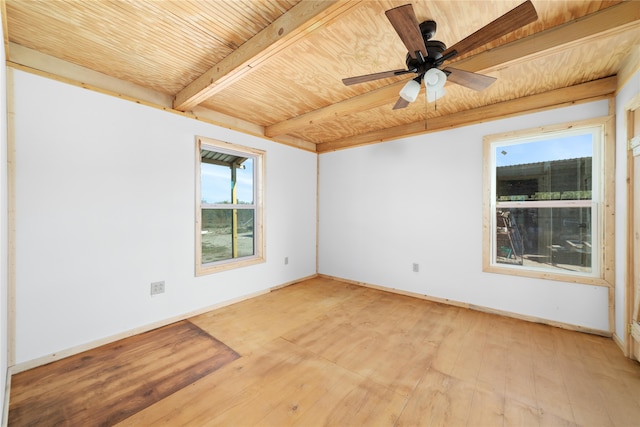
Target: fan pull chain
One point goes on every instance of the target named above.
(426, 110)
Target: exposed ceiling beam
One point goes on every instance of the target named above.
(552, 99)
(614, 19)
(302, 19)
(366, 101)
(237, 124)
(606, 22)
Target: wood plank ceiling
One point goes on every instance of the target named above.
(274, 67)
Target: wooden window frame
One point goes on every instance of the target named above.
(258, 173)
(605, 206)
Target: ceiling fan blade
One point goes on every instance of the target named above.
(404, 21)
(468, 79)
(510, 21)
(375, 76)
(400, 103)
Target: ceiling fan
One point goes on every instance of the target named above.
(426, 56)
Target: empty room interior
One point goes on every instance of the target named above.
(319, 212)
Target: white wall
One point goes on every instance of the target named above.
(105, 206)
(626, 94)
(418, 200)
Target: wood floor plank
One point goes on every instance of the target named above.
(587, 401)
(552, 398)
(517, 413)
(519, 367)
(492, 373)
(468, 361)
(438, 400)
(393, 353)
(550, 390)
(487, 408)
(619, 401)
(366, 404)
(452, 347)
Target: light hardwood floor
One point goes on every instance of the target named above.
(323, 352)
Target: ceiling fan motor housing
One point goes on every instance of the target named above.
(434, 48)
(434, 53)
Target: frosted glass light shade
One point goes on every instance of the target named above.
(434, 81)
(410, 91)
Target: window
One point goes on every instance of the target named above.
(548, 203)
(228, 206)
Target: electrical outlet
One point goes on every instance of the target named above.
(286, 260)
(416, 267)
(157, 288)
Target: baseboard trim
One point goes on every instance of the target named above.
(34, 363)
(475, 307)
(621, 345)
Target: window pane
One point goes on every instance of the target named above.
(557, 169)
(221, 174)
(244, 182)
(246, 221)
(215, 183)
(227, 234)
(558, 238)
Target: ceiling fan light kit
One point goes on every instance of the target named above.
(426, 56)
(411, 90)
(434, 80)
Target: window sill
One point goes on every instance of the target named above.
(203, 270)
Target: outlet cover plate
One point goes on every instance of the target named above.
(157, 288)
